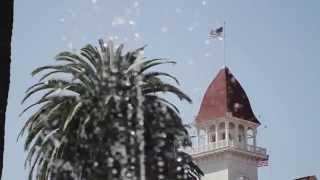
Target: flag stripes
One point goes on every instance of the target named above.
(263, 163)
(217, 33)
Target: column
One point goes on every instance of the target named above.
(207, 135)
(198, 137)
(255, 139)
(217, 133)
(245, 137)
(236, 138)
(227, 132)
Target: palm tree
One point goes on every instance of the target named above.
(101, 115)
(6, 20)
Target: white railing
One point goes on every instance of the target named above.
(216, 146)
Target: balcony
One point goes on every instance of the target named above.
(213, 147)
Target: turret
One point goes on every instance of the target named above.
(226, 146)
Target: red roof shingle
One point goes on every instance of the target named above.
(223, 95)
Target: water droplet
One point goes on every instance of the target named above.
(114, 171)
(118, 21)
(136, 36)
(190, 28)
(62, 20)
(131, 22)
(164, 29)
(136, 4)
(204, 3)
(237, 105)
(161, 176)
(179, 168)
(178, 10)
(233, 80)
(179, 159)
(71, 12)
(160, 163)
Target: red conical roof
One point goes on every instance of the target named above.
(225, 94)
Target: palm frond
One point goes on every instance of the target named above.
(155, 74)
(154, 62)
(163, 87)
(71, 115)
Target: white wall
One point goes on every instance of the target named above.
(228, 166)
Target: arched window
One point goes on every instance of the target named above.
(231, 131)
(212, 133)
(192, 130)
(250, 136)
(241, 134)
(222, 128)
(202, 137)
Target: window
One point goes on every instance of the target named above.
(241, 133)
(212, 133)
(213, 138)
(223, 136)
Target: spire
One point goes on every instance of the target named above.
(225, 95)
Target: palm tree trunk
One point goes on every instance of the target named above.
(140, 133)
(6, 21)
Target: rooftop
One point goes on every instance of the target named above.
(225, 95)
(308, 178)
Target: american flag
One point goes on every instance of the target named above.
(217, 33)
(262, 163)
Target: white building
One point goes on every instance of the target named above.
(226, 146)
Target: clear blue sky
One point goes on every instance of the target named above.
(272, 48)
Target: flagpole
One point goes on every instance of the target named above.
(224, 43)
